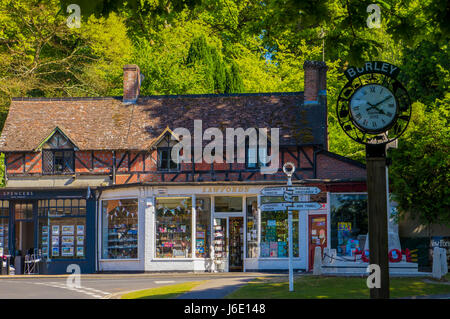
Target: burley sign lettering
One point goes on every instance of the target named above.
(372, 67)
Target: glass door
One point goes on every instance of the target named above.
(236, 245)
(23, 229)
(220, 240)
(317, 235)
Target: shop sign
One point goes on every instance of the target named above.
(225, 189)
(15, 194)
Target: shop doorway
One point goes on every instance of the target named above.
(23, 228)
(228, 241)
(236, 262)
(317, 235)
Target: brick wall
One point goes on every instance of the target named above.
(333, 168)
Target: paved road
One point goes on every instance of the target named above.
(98, 286)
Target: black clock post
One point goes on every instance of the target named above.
(374, 109)
(377, 210)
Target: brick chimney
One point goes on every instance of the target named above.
(315, 92)
(131, 83)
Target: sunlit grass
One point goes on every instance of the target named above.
(165, 292)
(309, 286)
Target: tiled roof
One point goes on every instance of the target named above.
(108, 124)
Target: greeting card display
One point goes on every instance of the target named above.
(68, 230)
(55, 230)
(80, 229)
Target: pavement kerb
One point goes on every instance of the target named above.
(142, 275)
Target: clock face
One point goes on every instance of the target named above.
(373, 107)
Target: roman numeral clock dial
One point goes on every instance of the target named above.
(373, 107)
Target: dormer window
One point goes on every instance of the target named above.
(164, 151)
(165, 160)
(58, 161)
(58, 154)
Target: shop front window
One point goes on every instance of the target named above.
(4, 227)
(349, 222)
(62, 228)
(120, 229)
(274, 234)
(252, 227)
(203, 221)
(173, 227)
(227, 204)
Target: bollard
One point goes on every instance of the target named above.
(1, 266)
(317, 266)
(437, 267)
(444, 265)
(8, 265)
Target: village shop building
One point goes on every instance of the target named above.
(101, 189)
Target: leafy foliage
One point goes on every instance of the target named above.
(420, 173)
(228, 46)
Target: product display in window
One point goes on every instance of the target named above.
(202, 233)
(173, 227)
(60, 241)
(4, 236)
(274, 234)
(220, 239)
(120, 229)
(349, 223)
(58, 222)
(252, 227)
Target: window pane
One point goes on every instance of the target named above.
(23, 211)
(62, 237)
(228, 204)
(59, 161)
(43, 207)
(47, 161)
(203, 220)
(120, 229)
(251, 157)
(349, 222)
(163, 159)
(4, 232)
(173, 227)
(274, 234)
(262, 156)
(252, 227)
(4, 210)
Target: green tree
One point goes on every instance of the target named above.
(234, 82)
(420, 171)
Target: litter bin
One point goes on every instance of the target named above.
(8, 264)
(18, 265)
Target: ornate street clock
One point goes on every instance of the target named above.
(373, 107)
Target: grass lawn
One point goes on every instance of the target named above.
(164, 292)
(309, 286)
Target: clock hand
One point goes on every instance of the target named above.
(376, 104)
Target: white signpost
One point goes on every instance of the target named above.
(287, 193)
